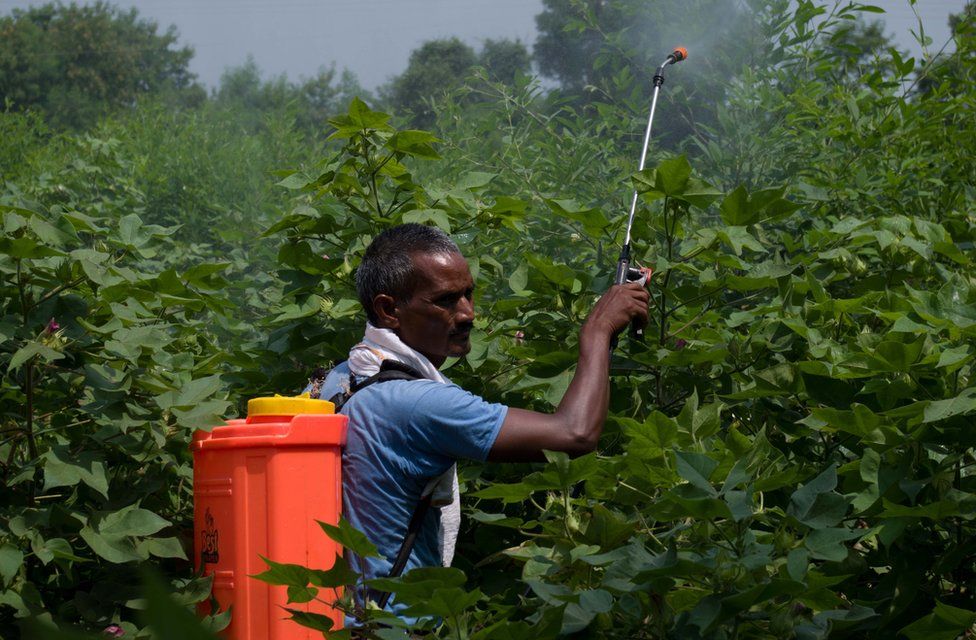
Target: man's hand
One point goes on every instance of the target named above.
(616, 309)
(576, 425)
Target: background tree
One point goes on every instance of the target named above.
(571, 35)
(76, 62)
(310, 101)
(435, 68)
(440, 66)
(504, 60)
(954, 70)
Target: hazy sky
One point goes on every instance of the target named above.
(374, 38)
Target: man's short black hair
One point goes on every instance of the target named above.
(387, 265)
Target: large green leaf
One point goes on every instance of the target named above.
(64, 469)
(349, 538)
(816, 505)
(944, 623)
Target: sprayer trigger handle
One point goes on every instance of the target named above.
(640, 276)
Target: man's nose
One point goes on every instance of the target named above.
(465, 310)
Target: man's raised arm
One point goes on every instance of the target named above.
(576, 424)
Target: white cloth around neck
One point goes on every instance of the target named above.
(365, 358)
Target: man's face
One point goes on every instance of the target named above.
(438, 317)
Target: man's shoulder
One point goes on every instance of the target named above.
(426, 417)
(336, 381)
(411, 391)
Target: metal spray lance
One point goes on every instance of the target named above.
(626, 273)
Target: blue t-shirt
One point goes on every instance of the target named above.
(401, 434)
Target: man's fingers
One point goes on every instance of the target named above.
(623, 304)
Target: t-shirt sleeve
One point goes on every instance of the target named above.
(455, 423)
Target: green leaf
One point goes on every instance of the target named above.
(202, 415)
(301, 595)
(131, 231)
(739, 238)
(199, 273)
(117, 549)
(50, 234)
(26, 248)
(677, 504)
(592, 220)
(190, 394)
(166, 619)
(195, 591)
(607, 528)
(815, 504)
(700, 422)
(497, 519)
(445, 603)
(418, 144)
(953, 356)
(48, 550)
(962, 404)
(564, 472)
(944, 623)
(31, 349)
(828, 543)
(671, 176)
(735, 208)
(311, 620)
(359, 119)
(131, 521)
(938, 510)
(797, 563)
(509, 493)
(900, 355)
(339, 575)
(740, 504)
(696, 468)
(475, 180)
(650, 439)
(279, 573)
(166, 548)
(11, 560)
(348, 537)
(62, 468)
(588, 604)
(519, 279)
(423, 216)
(297, 180)
(418, 585)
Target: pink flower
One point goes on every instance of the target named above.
(519, 337)
(51, 327)
(113, 631)
(680, 343)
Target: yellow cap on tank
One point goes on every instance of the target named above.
(288, 406)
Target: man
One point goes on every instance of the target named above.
(406, 435)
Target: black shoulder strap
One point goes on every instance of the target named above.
(389, 370)
(409, 538)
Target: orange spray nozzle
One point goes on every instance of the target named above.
(679, 54)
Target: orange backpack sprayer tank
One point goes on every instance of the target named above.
(259, 485)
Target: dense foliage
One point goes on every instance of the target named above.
(789, 453)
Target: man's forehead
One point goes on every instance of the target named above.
(440, 269)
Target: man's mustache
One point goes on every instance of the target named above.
(462, 328)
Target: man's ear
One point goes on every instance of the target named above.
(386, 311)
